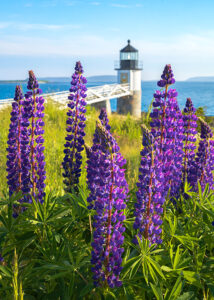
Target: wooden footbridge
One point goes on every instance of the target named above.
(98, 96)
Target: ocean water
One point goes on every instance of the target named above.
(201, 93)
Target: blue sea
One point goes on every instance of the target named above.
(201, 93)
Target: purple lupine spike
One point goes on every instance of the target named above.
(25, 150)
(174, 145)
(104, 119)
(151, 192)
(75, 129)
(14, 165)
(108, 192)
(18, 156)
(202, 168)
(34, 109)
(167, 129)
(167, 77)
(105, 122)
(190, 125)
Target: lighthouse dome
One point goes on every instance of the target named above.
(128, 48)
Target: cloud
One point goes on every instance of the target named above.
(4, 25)
(50, 3)
(72, 3)
(95, 3)
(119, 5)
(43, 27)
(69, 45)
(25, 26)
(28, 4)
(114, 29)
(191, 54)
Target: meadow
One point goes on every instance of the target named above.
(126, 129)
(75, 244)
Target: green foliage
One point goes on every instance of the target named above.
(126, 129)
(47, 249)
(52, 252)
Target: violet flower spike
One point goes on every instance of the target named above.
(14, 165)
(202, 167)
(151, 193)
(36, 138)
(190, 125)
(75, 129)
(167, 129)
(108, 191)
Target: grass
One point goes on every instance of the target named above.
(47, 249)
(125, 129)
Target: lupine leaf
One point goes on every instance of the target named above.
(157, 291)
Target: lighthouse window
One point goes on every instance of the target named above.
(129, 56)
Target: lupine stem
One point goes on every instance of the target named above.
(19, 149)
(32, 145)
(162, 119)
(75, 130)
(108, 234)
(75, 135)
(150, 198)
(185, 153)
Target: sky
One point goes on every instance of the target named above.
(49, 36)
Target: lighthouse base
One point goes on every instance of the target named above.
(103, 104)
(130, 104)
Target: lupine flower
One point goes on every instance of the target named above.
(174, 140)
(108, 191)
(75, 129)
(190, 125)
(167, 77)
(105, 122)
(14, 164)
(167, 129)
(150, 194)
(202, 167)
(34, 109)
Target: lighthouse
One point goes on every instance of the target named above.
(129, 71)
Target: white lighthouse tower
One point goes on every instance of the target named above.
(129, 71)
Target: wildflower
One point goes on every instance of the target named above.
(14, 163)
(190, 125)
(150, 194)
(34, 107)
(203, 165)
(108, 191)
(167, 129)
(167, 77)
(75, 129)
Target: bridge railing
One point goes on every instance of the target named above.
(94, 94)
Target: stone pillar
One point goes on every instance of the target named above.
(131, 103)
(136, 104)
(103, 104)
(124, 105)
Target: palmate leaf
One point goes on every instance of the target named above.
(176, 290)
(157, 291)
(192, 278)
(150, 267)
(187, 296)
(176, 258)
(6, 272)
(156, 266)
(131, 267)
